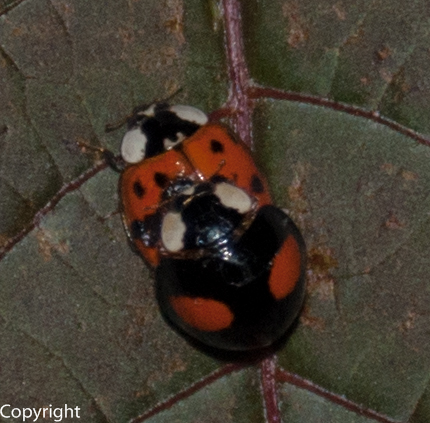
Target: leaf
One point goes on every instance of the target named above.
(339, 90)
(371, 54)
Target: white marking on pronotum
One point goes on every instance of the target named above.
(234, 197)
(150, 111)
(168, 144)
(189, 113)
(133, 146)
(173, 231)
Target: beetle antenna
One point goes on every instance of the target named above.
(114, 162)
(110, 127)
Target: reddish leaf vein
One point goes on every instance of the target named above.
(296, 380)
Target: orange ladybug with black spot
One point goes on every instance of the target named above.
(229, 266)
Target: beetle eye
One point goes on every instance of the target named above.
(133, 146)
(190, 114)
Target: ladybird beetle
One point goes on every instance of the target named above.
(229, 266)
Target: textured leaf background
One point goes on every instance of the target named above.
(334, 97)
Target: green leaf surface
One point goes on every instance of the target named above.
(78, 316)
(370, 54)
(300, 405)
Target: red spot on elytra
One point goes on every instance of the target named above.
(202, 313)
(286, 269)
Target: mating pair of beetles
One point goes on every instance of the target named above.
(229, 265)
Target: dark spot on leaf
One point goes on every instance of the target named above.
(3, 129)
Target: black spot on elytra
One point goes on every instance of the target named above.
(161, 179)
(256, 184)
(217, 147)
(138, 189)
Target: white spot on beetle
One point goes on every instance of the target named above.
(234, 197)
(189, 113)
(173, 231)
(150, 111)
(168, 144)
(133, 146)
(189, 191)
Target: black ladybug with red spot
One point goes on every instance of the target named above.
(229, 265)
